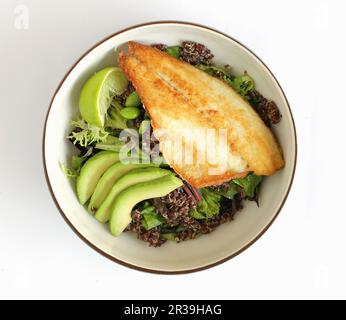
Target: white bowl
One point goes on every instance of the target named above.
(227, 240)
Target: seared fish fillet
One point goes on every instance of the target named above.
(208, 133)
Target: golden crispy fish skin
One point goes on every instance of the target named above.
(180, 98)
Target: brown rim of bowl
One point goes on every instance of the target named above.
(128, 264)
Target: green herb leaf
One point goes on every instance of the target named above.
(180, 229)
(194, 213)
(76, 163)
(68, 172)
(169, 236)
(150, 218)
(243, 84)
(249, 184)
(209, 206)
(110, 144)
(146, 204)
(174, 51)
(148, 210)
(219, 72)
(86, 134)
(231, 192)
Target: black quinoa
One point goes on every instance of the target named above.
(122, 98)
(175, 208)
(159, 46)
(206, 226)
(152, 236)
(228, 209)
(266, 109)
(195, 53)
(221, 187)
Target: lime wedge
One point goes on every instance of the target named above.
(98, 92)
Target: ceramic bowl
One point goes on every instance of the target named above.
(226, 241)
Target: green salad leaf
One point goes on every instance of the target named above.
(218, 72)
(209, 206)
(174, 51)
(68, 172)
(231, 192)
(111, 143)
(86, 134)
(169, 236)
(76, 162)
(150, 218)
(248, 184)
(243, 84)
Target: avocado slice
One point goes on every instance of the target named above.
(112, 174)
(129, 179)
(128, 198)
(91, 172)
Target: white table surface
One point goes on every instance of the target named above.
(301, 256)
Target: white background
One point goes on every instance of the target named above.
(301, 256)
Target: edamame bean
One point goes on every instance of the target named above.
(133, 100)
(130, 113)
